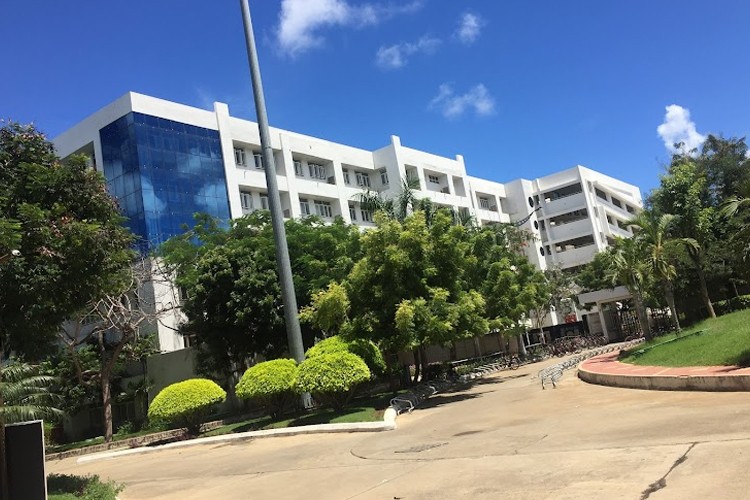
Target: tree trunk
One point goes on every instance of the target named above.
(417, 364)
(105, 376)
(669, 295)
(423, 359)
(4, 490)
(640, 310)
(107, 404)
(704, 288)
(521, 344)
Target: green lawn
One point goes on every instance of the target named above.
(725, 341)
(369, 409)
(56, 448)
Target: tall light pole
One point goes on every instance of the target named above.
(293, 332)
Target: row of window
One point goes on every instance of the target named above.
(240, 158)
(247, 203)
(320, 208)
(314, 170)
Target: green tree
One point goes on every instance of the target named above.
(233, 303)
(411, 288)
(65, 225)
(654, 235)
(684, 193)
(629, 267)
(122, 322)
(328, 310)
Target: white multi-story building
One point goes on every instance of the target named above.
(165, 161)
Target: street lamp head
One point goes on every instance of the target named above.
(15, 253)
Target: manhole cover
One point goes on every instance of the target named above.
(420, 448)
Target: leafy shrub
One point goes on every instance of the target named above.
(85, 487)
(331, 378)
(270, 384)
(186, 403)
(365, 349)
(730, 305)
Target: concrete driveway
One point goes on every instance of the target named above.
(503, 437)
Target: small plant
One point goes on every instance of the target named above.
(187, 403)
(332, 378)
(270, 384)
(86, 487)
(125, 428)
(365, 349)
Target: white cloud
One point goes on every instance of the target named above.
(469, 28)
(301, 21)
(395, 56)
(679, 128)
(452, 105)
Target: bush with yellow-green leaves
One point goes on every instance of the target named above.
(271, 384)
(186, 403)
(332, 378)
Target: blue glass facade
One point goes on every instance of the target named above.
(162, 172)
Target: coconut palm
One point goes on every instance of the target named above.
(627, 266)
(654, 235)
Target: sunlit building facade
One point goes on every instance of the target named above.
(165, 161)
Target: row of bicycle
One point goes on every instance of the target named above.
(567, 345)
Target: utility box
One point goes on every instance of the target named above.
(24, 446)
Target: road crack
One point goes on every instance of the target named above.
(662, 481)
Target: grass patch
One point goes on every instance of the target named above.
(57, 448)
(724, 342)
(68, 487)
(365, 409)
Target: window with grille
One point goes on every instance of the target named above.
(264, 201)
(352, 212)
(366, 215)
(384, 177)
(258, 159)
(346, 176)
(484, 203)
(323, 209)
(304, 207)
(246, 200)
(317, 171)
(363, 180)
(433, 179)
(239, 157)
(299, 171)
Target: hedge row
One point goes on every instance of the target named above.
(730, 305)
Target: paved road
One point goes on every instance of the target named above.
(501, 438)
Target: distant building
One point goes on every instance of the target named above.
(165, 161)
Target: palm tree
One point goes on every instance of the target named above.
(26, 395)
(397, 207)
(653, 234)
(629, 268)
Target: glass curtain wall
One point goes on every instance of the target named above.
(162, 172)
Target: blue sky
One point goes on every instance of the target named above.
(520, 88)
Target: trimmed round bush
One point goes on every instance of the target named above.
(365, 349)
(331, 378)
(270, 384)
(186, 403)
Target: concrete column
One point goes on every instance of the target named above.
(221, 111)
